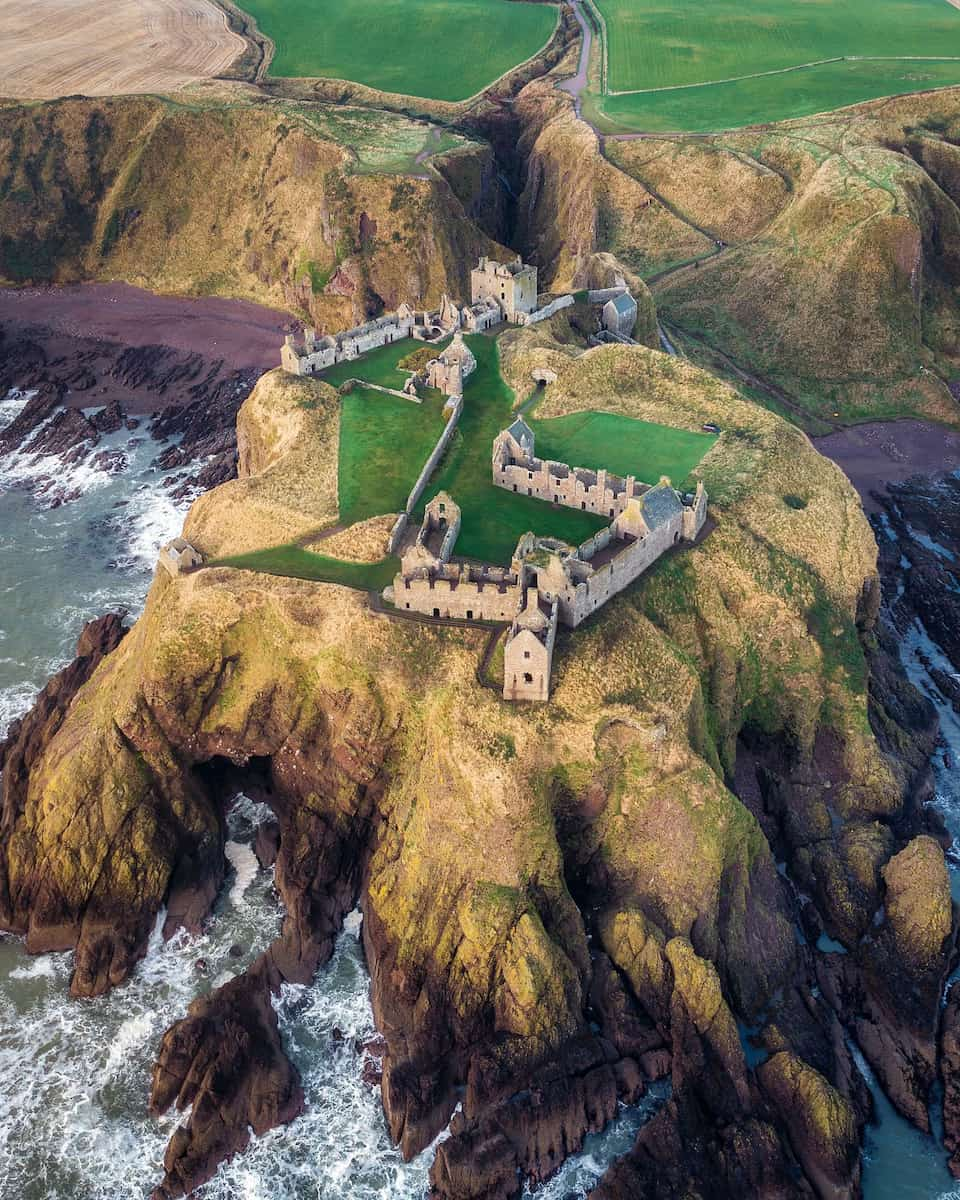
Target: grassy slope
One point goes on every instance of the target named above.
(230, 197)
(440, 49)
(297, 563)
(837, 287)
(672, 46)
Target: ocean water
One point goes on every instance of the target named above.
(75, 1075)
(63, 563)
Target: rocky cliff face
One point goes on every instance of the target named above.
(275, 203)
(560, 903)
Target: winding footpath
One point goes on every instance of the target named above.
(576, 85)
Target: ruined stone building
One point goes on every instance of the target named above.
(179, 556)
(312, 354)
(528, 654)
(513, 286)
(548, 581)
(516, 468)
(428, 582)
(451, 368)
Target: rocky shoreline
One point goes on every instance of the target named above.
(101, 358)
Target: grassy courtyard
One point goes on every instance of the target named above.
(622, 445)
(439, 49)
(657, 58)
(384, 442)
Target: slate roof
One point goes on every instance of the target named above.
(520, 429)
(660, 505)
(624, 304)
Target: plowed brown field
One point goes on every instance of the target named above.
(65, 47)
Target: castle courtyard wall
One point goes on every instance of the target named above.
(591, 491)
(469, 600)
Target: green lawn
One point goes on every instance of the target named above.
(439, 49)
(671, 44)
(384, 443)
(494, 519)
(622, 445)
(298, 563)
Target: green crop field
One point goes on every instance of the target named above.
(622, 445)
(439, 49)
(887, 47)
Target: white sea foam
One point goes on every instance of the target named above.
(244, 863)
(13, 404)
(43, 967)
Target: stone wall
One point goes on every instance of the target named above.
(458, 593)
(438, 451)
(541, 314)
(602, 295)
(622, 569)
(576, 487)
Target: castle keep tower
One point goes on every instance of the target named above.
(511, 285)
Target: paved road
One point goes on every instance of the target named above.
(577, 84)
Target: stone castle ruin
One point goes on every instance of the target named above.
(548, 581)
(499, 292)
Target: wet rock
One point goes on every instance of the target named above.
(528, 1134)
(950, 1075)
(225, 1061)
(821, 1124)
(266, 845)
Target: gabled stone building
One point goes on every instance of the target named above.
(512, 286)
(450, 369)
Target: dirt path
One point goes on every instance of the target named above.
(54, 48)
(578, 83)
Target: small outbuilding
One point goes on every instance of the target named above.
(179, 556)
(620, 315)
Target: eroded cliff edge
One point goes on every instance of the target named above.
(560, 903)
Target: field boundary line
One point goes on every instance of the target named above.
(819, 62)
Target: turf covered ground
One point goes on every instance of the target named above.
(297, 563)
(440, 49)
(384, 442)
(622, 445)
(672, 45)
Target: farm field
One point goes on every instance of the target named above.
(440, 49)
(52, 48)
(659, 55)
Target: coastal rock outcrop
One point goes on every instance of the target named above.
(560, 903)
(225, 1063)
